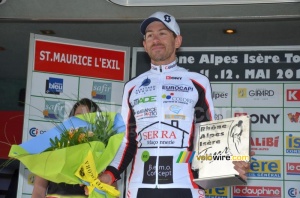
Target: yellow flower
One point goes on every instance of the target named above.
(90, 134)
(81, 137)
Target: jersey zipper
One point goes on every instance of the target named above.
(160, 117)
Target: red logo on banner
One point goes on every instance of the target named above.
(293, 168)
(79, 60)
(240, 114)
(257, 191)
(293, 95)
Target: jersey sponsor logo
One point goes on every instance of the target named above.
(102, 91)
(173, 78)
(293, 95)
(265, 168)
(257, 191)
(175, 109)
(294, 118)
(171, 98)
(164, 170)
(181, 88)
(143, 100)
(145, 87)
(54, 86)
(146, 113)
(54, 110)
(292, 144)
(170, 66)
(174, 117)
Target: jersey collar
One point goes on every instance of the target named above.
(164, 68)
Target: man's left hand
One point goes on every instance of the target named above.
(243, 167)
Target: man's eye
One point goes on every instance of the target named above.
(149, 36)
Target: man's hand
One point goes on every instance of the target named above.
(242, 167)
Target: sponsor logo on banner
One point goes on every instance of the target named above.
(54, 110)
(33, 132)
(264, 143)
(219, 95)
(261, 118)
(265, 168)
(181, 88)
(256, 191)
(102, 91)
(293, 192)
(292, 144)
(54, 86)
(293, 168)
(294, 118)
(257, 94)
(293, 95)
(220, 192)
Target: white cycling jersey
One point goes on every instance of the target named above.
(159, 109)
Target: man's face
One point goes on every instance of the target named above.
(160, 43)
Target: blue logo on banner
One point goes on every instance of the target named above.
(54, 86)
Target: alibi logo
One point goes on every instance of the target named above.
(54, 86)
(54, 110)
(102, 91)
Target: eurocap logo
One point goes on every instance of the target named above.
(54, 86)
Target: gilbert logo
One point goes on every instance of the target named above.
(293, 95)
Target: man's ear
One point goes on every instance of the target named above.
(178, 41)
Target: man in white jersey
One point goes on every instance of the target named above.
(160, 108)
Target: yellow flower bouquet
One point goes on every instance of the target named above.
(75, 151)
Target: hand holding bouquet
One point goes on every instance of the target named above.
(74, 152)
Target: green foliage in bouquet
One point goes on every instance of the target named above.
(100, 129)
